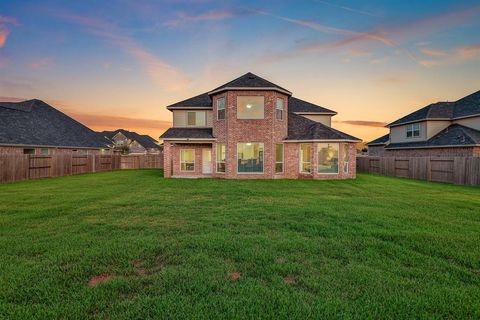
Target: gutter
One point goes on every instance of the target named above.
(435, 147)
(250, 89)
(323, 140)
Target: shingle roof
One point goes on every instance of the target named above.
(301, 128)
(249, 80)
(35, 123)
(467, 106)
(145, 140)
(454, 135)
(380, 141)
(187, 133)
(201, 101)
(298, 105)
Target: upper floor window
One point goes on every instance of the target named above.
(44, 151)
(279, 109)
(413, 130)
(196, 118)
(221, 108)
(250, 107)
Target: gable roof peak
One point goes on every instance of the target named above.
(249, 81)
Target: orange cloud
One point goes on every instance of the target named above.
(383, 35)
(161, 72)
(184, 18)
(120, 122)
(348, 8)
(455, 56)
(4, 21)
(375, 124)
(11, 99)
(3, 37)
(434, 52)
(469, 52)
(41, 63)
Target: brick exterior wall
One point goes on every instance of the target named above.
(268, 131)
(380, 151)
(292, 162)
(232, 131)
(171, 153)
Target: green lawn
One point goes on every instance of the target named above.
(374, 247)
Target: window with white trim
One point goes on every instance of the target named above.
(221, 155)
(413, 130)
(196, 118)
(221, 108)
(345, 158)
(187, 160)
(278, 158)
(250, 157)
(279, 109)
(305, 158)
(327, 158)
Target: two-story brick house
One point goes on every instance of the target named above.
(252, 128)
(439, 129)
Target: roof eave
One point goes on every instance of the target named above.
(332, 113)
(250, 89)
(190, 108)
(393, 124)
(324, 140)
(434, 147)
(49, 146)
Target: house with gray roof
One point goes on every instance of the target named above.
(130, 142)
(251, 128)
(439, 129)
(34, 127)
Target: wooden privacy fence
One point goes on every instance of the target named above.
(458, 170)
(15, 167)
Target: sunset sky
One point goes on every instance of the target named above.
(117, 64)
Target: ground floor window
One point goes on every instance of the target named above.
(279, 158)
(221, 154)
(250, 157)
(187, 160)
(305, 158)
(44, 151)
(28, 151)
(328, 157)
(345, 158)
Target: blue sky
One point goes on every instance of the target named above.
(118, 63)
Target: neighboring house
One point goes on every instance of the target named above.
(252, 128)
(129, 142)
(34, 127)
(439, 129)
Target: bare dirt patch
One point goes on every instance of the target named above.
(290, 280)
(235, 276)
(94, 281)
(142, 268)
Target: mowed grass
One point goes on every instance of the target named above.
(374, 247)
